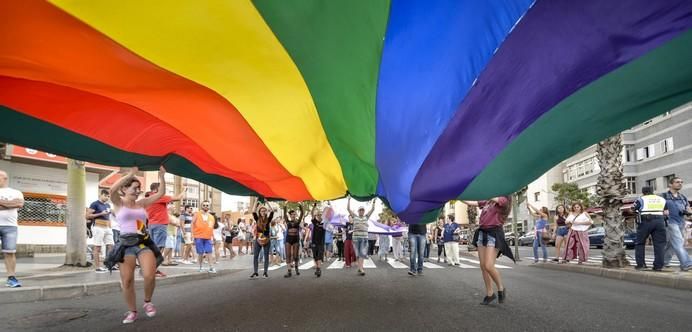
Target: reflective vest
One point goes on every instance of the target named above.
(652, 205)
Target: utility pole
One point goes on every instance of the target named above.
(515, 216)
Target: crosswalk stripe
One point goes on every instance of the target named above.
(499, 266)
(464, 266)
(276, 267)
(396, 264)
(432, 266)
(337, 265)
(369, 264)
(307, 265)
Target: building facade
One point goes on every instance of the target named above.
(658, 150)
(653, 153)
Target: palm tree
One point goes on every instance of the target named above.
(76, 215)
(611, 189)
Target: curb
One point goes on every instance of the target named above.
(663, 279)
(71, 291)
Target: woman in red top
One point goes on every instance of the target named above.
(490, 240)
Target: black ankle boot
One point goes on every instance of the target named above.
(297, 272)
(288, 274)
(488, 299)
(501, 295)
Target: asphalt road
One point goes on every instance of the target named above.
(595, 254)
(385, 299)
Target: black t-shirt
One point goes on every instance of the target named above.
(263, 227)
(293, 229)
(317, 232)
(349, 231)
(420, 229)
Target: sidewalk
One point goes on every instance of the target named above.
(671, 277)
(44, 278)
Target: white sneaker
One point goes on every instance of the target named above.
(212, 270)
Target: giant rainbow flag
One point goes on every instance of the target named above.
(414, 101)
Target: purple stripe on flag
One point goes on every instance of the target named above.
(557, 48)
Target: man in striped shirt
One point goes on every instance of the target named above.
(360, 233)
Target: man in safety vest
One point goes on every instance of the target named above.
(651, 211)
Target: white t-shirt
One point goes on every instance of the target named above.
(582, 217)
(218, 232)
(9, 217)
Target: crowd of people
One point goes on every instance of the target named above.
(661, 221)
(145, 232)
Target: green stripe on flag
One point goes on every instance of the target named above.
(648, 86)
(31, 132)
(337, 46)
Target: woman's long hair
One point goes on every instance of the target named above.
(564, 213)
(263, 221)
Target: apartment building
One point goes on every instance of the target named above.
(653, 152)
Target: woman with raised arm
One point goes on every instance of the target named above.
(541, 227)
(578, 236)
(490, 240)
(293, 227)
(263, 219)
(135, 245)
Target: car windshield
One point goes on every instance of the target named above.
(597, 230)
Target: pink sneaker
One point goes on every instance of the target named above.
(130, 317)
(149, 309)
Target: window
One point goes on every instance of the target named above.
(191, 202)
(640, 154)
(667, 178)
(631, 184)
(667, 145)
(536, 196)
(630, 152)
(651, 183)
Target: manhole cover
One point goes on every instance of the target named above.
(50, 318)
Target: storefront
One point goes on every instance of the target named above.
(42, 178)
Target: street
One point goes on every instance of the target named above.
(595, 255)
(385, 299)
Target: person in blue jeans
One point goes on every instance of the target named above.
(678, 207)
(541, 216)
(416, 239)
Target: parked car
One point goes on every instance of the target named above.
(527, 239)
(597, 234)
(510, 238)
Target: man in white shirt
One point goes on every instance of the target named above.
(11, 201)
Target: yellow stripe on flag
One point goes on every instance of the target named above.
(227, 47)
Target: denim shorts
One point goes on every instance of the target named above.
(203, 246)
(136, 250)
(562, 231)
(491, 239)
(8, 237)
(360, 246)
(158, 234)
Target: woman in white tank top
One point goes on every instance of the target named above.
(131, 215)
(578, 237)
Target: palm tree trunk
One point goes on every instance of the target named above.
(611, 189)
(76, 214)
